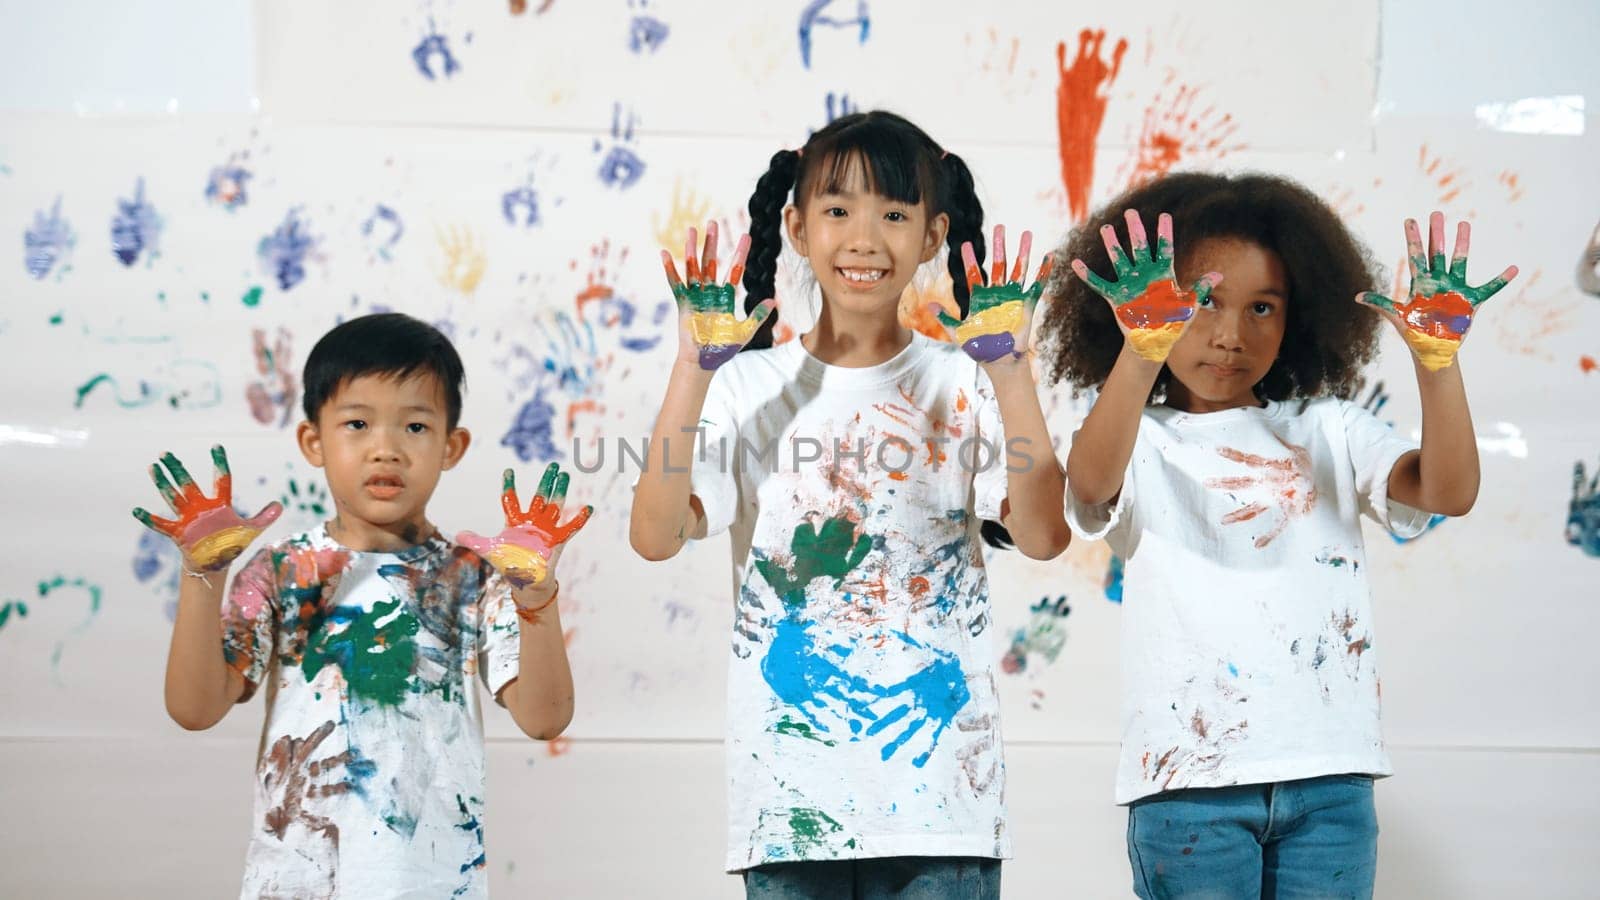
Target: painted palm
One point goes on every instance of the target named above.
(1151, 309)
(1000, 315)
(208, 530)
(525, 551)
(708, 331)
(1435, 319)
(807, 673)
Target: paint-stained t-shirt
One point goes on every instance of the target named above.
(1248, 652)
(370, 774)
(862, 714)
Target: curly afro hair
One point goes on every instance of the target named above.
(1328, 338)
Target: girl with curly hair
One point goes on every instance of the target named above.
(1224, 461)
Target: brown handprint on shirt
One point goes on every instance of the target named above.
(1290, 480)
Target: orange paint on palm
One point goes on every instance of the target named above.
(1444, 316)
(1159, 306)
(1081, 100)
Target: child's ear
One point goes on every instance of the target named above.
(795, 222)
(938, 230)
(310, 441)
(455, 447)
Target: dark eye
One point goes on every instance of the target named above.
(1262, 309)
(417, 428)
(356, 424)
(834, 212)
(1205, 302)
(895, 216)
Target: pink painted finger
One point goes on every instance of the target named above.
(1164, 230)
(477, 543)
(969, 259)
(736, 272)
(708, 262)
(1108, 235)
(997, 258)
(266, 517)
(1138, 241)
(1414, 257)
(1435, 235)
(691, 257)
(1024, 250)
(671, 267)
(1463, 241)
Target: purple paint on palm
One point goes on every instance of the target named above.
(283, 252)
(990, 347)
(714, 355)
(48, 242)
(135, 228)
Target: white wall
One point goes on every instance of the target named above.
(1487, 622)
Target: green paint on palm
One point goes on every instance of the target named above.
(790, 727)
(701, 297)
(829, 552)
(1136, 276)
(377, 660)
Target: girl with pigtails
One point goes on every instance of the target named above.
(853, 468)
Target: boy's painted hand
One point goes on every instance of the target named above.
(208, 531)
(1151, 310)
(1000, 316)
(526, 550)
(709, 334)
(1436, 318)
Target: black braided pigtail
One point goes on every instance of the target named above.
(966, 224)
(766, 239)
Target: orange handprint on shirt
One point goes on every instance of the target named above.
(1291, 481)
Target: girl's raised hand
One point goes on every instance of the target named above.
(208, 531)
(709, 334)
(1000, 316)
(1435, 319)
(1151, 309)
(526, 550)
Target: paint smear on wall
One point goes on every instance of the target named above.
(284, 252)
(135, 228)
(272, 396)
(47, 244)
(1179, 128)
(1583, 514)
(463, 259)
(817, 13)
(227, 185)
(1081, 98)
(621, 166)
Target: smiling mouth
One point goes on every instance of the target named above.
(862, 276)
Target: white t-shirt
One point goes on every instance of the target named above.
(1248, 653)
(370, 775)
(863, 719)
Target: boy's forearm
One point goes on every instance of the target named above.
(1035, 483)
(1445, 475)
(200, 688)
(659, 523)
(1102, 448)
(541, 699)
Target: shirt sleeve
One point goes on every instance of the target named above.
(711, 475)
(1093, 522)
(1374, 449)
(500, 634)
(990, 457)
(250, 620)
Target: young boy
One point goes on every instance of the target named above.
(367, 631)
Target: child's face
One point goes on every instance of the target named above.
(1234, 339)
(384, 443)
(864, 247)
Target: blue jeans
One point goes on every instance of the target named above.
(898, 877)
(1293, 839)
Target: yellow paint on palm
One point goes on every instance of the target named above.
(1003, 319)
(519, 564)
(721, 329)
(222, 547)
(1434, 353)
(1155, 343)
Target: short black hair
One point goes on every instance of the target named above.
(392, 344)
(1329, 337)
